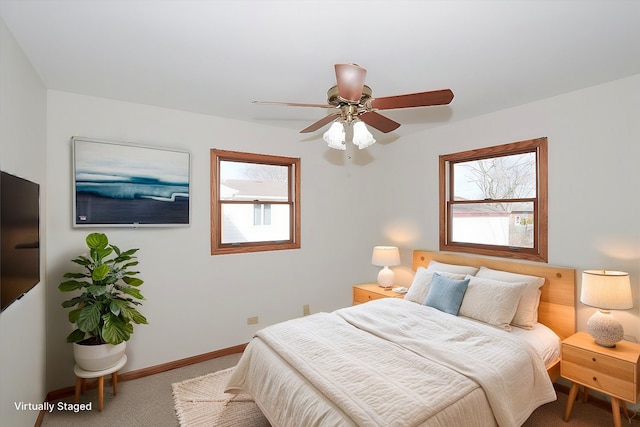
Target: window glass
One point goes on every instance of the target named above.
(504, 177)
(493, 201)
(504, 224)
(255, 202)
(251, 181)
(241, 223)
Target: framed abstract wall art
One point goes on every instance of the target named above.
(127, 185)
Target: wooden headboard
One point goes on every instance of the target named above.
(557, 303)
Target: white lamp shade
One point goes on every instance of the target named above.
(606, 289)
(385, 256)
(335, 136)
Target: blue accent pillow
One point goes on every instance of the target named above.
(446, 294)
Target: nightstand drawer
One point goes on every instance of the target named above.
(606, 365)
(362, 295)
(599, 372)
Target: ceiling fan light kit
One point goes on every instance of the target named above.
(361, 135)
(335, 136)
(356, 106)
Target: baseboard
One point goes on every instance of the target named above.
(145, 372)
(152, 370)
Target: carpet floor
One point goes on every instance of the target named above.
(150, 401)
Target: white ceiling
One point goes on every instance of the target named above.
(215, 57)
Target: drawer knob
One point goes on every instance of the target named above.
(593, 359)
(595, 379)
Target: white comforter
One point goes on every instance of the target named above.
(391, 362)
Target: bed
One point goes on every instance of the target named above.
(395, 362)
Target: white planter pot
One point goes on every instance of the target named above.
(98, 357)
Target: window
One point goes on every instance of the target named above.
(493, 201)
(255, 202)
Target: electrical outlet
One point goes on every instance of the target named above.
(305, 310)
(252, 320)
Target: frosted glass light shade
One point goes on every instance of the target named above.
(335, 136)
(606, 290)
(361, 135)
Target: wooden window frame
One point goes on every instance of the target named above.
(539, 252)
(293, 165)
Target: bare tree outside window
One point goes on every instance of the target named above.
(493, 200)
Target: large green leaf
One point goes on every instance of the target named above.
(130, 314)
(115, 330)
(71, 285)
(117, 306)
(132, 281)
(100, 272)
(75, 314)
(132, 291)
(97, 240)
(75, 275)
(130, 252)
(76, 336)
(96, 290)
(72, 302)
(101, 253)
(82, 260)
(89, 317)
(137, 317)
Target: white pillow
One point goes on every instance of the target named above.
(422, 281)
(527, 313)
(451, 268)
(491, 301)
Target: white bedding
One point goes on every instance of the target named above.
(544, 341)
(402, 365)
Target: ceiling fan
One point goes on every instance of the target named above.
(356, 106)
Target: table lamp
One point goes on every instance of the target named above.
(385, 256)
(606, 290)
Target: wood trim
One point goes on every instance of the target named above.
(540, 250)
(152, 370)
(557, 302)
(293, 165)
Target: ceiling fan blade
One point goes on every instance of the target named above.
(378, 121)
(350, 80)
(421, 99)
(294, 104)
(323, 121)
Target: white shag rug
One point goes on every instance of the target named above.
(201, 402)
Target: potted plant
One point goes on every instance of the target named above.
(105, 312)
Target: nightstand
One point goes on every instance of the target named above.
(612, 371)
(370, 291)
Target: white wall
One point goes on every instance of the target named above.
(197, 303)
(594, 172)
(22, 153)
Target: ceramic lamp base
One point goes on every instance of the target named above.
(605, 329)
(385, 277)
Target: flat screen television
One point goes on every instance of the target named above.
(19, 237)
